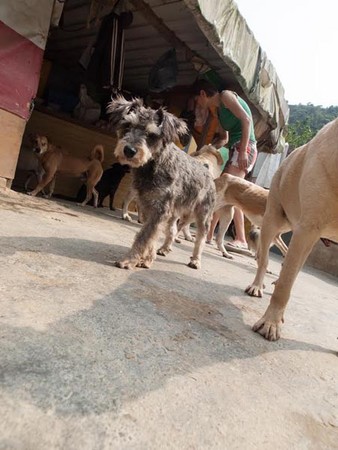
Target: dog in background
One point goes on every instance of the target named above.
(304, 197)
(251, 199)
(55, 160)
(212, 160)
(130, 197)
(253, 239)
(107, 185)
(169, 183)
(29, 162)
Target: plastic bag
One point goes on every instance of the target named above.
(163, 75)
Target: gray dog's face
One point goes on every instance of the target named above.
(142, 132)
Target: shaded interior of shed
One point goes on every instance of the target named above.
(157, 26)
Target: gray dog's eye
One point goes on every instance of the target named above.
(124, 127)
(152, 137)
(206, 165)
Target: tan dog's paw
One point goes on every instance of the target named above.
(254, 291)
(163, 251)
(127, 217)
(269, 329)
(194, 263)
(178, 241)
(190, 239)
(227, 255)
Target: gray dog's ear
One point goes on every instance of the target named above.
(120, 107)
(172, 127)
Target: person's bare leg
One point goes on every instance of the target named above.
(240, 238)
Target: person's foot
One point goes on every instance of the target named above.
(238, 247)
(238, 244)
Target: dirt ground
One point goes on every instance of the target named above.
(95, 357)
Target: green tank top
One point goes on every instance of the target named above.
(225, 155)
(233, 125)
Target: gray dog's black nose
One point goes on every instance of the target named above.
(129, 151)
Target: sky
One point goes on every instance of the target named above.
(300, 37)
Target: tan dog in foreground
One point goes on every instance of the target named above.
(303, 195)
(55, 160)
(250, 198)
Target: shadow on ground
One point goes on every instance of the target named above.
(82, 249)
(154, 326)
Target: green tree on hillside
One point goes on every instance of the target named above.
(306, 120)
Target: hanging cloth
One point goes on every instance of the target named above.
(106, 65)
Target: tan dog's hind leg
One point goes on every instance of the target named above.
(273, 222)
(256, 288)
(280, 244)
(302, 242)
(187, 234)
(96, 197)
(91, 191)
(129, 198)
(170, 235)
(225, 217)
(201, 234)
(51, 187)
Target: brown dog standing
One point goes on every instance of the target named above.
(53, 159)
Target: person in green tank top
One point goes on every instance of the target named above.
(234, 116)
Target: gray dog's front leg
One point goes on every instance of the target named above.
(142, 253)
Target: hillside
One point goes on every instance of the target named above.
(306, 120)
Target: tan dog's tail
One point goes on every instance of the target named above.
(97, 153)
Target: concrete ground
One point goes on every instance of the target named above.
(95, 357)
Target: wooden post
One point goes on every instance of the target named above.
(12, 128)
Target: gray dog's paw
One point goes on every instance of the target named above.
(163, 251)
(125, 264)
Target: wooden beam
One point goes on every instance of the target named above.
(162, 28)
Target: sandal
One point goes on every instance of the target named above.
(238, 248)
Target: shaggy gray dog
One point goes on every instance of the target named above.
(170, 185)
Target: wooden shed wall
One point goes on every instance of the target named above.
(78, 140)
